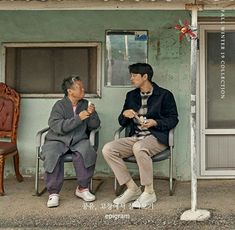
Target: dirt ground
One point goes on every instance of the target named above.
(21, 209)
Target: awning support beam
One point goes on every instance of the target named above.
(194, 213)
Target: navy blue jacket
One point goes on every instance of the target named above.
(161, 107)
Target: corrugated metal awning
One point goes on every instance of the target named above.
(113, 4)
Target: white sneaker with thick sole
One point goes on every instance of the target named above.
(145, 200)
(85, 194)
(53, 200)
(127, 196)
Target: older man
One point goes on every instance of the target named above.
(70, 121)
(150, 112)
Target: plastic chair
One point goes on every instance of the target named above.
(9, 117)
(94, 140)
(164, 155)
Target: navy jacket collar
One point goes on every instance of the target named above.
(156, 89)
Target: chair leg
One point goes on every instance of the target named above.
(37, 175)
(118, 189)
(16, 166)
(115, 184)
(2, 163)
(91, 185)
(170, 177)
(172, 181)
(95, 188)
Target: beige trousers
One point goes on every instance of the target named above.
(143, 150)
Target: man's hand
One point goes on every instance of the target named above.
(129, 113)
(84, 115)
(91, 108)
(149, 123)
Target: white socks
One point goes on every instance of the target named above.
(149, 188)
(132, 185)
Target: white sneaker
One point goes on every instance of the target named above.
(53, 200)
(145, 200)
(85, 194)
(127, 196)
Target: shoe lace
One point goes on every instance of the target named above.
(122, 194)
(139, 198)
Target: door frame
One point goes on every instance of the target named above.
(201, 111)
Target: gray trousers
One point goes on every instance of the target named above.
(54, 180)
(143, 150)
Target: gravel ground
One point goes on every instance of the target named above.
(19, 209)
(135, 222)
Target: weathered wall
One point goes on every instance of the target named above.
(169, 58)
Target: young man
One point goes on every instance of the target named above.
(70, 119)
(151, 112)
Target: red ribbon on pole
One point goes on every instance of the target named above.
(185, 31)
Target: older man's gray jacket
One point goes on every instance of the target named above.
(68, 131)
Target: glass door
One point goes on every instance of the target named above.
(217, 100)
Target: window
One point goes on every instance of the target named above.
(122, 49)
(37, 70)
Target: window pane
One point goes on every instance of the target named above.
(123, 49)
(33, 69)
(70, 61)
(220, 83)
(41, 70)
(220, 152)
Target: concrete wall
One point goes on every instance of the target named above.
(169, 58)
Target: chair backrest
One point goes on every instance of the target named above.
(40, 139)
(9, 112)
